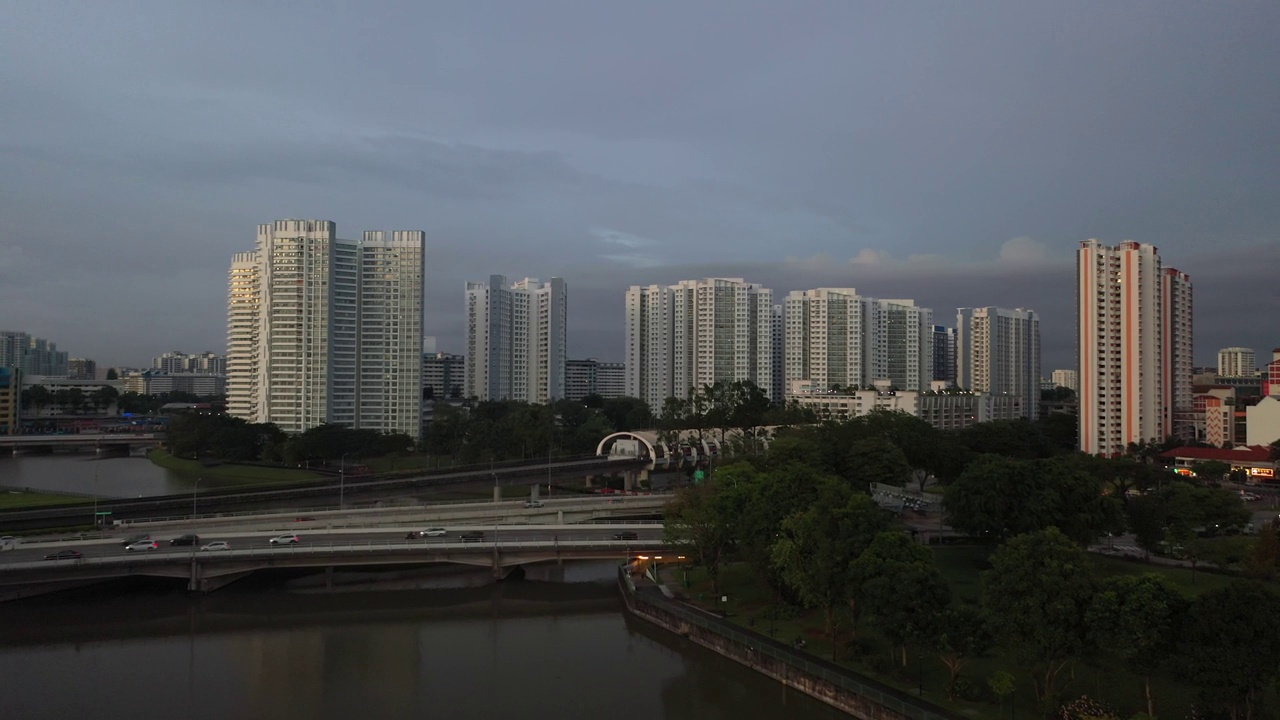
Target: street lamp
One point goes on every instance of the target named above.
(342, 481)
(195, 498)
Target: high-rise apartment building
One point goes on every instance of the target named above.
(1134, 346)
(82, 369)
(517, 339)
(1067, 379)
(205, 363)
(837, 338)
(998, 353)
(611, 379)
(944, 354)
(1271, 375)
(697, 333)
(10, 399)
(1237, 362)
(592, 377)
(778, 328)
(325, 330)
(33, 355)
(443, 375)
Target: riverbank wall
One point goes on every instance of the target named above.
(859, 696)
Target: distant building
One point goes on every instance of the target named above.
(696, 333)
(611, 380)
(998, 353)
(579, 378)
(1271, 375)
(1264, 421)
(327, 330)
(517, 337)
(592, 377)
(443, 376)
(837, 338)
(1237, 362)
(944, 354)
(10, 400)
(944, 410)
(1067, 379)
(159, 382)
(56, 386)
(205, 363)
(779, 332)
(33, 355)
(82, 369)
(1134, 339)
(1254, 461)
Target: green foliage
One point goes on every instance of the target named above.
(1211, 471)
(1020, 439)
(818, 545)
(875, 459)
(1266, 553)
(1230, 642)
(222, 437)
(997, 497)
(1136, 620)
(701, 519)
(896, 580)
(962, 633)
(1041, 586)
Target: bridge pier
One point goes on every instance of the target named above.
(497, 493)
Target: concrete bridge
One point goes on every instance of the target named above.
(499, 548)
(682, 449)
(97, 441)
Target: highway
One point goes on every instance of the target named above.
(110, 548)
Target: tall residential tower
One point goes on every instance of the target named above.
(697, 333)
(1134, 346)
(517, 339)
(998, 353)
(325, 330)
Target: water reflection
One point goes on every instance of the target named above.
(522, 650)
(87, 473)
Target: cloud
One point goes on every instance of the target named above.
(617, 237)
(634, 260)
(1023, 250)
(868, 256)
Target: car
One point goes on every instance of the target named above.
(217, 545)
(429, 532)
(142, 545)
(134, 539)
(286, 539)
(64, 555)
(472, 536)
(185, 540)
(533, 503)
(627, 535)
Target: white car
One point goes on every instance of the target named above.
(435, 532)
(142, 545)
(533, 503)
(217, 545)
(287, 539)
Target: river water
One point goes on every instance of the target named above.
(257, 650)
(265, 647)
(89, 474)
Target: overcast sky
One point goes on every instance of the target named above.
(954, 153)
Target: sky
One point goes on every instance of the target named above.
(951, 153)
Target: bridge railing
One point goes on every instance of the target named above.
(277, 551)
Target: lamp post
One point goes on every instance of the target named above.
(342, 481)
(195, 499)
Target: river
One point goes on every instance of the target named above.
(257, 650)
(89, 474)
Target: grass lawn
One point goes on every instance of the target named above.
(750, 602)
(19, 500)
(230, 474)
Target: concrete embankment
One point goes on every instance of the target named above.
(856, 695)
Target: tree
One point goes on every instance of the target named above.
(37, 397)
(962, 633)
(817, 546)
(877, 460)
(897, 581)
(1211, 472)
(1041, 586)
(1136, 619)
(1230, 641)
(697, 518)
(997, 498)
(103, 397)
(112, 374)
(1266, 553)
(1147, 521)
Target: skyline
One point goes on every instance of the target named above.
(954, 156)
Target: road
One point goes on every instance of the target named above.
(112, 545)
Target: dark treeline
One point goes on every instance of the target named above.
(800, 517)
